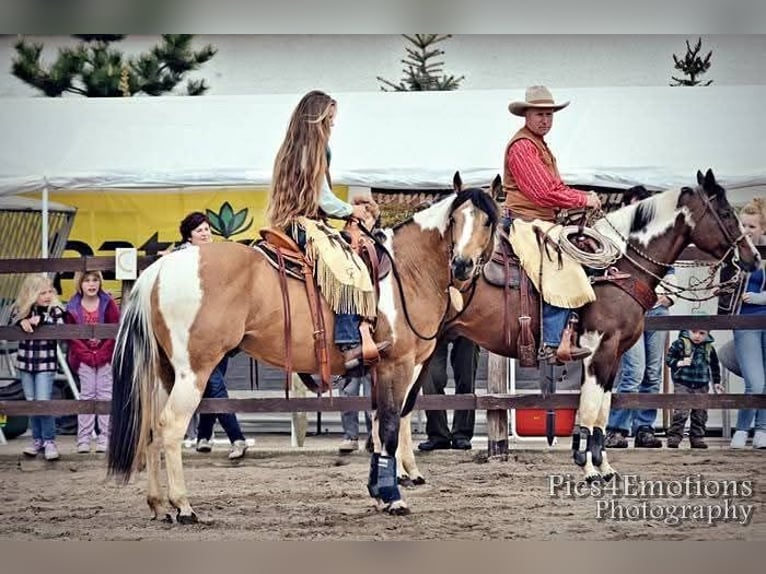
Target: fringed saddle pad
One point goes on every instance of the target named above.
(565, 283)
(340, 273)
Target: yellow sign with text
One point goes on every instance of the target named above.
(148, 219)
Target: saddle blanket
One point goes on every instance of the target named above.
(340, 273)
(567, 286)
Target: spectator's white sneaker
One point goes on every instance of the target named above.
(204, 445)
(759, 440)
(739, 439)
(51, 452)
(238, 449)
(348, 446)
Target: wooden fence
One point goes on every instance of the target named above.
(496, 402)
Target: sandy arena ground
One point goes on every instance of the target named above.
(278, 493)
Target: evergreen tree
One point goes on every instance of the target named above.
(95, 69)
(692, 65)
(422, 73)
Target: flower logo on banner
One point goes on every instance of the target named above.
(226, 223)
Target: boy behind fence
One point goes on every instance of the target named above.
(693, 362)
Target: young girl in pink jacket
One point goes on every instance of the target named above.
(91, 359)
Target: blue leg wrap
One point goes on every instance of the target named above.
(581, 443)
(597, 446)
(372, 478)
(382, 482)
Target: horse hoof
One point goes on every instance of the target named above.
(187, 518)
(608, 476)
(419, 481)
(592, 478)
(167, 519)
(405, 481)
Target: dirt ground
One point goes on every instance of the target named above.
(314, 494)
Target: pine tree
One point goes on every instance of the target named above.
(692, 65)
(421, 72)
(95, 69)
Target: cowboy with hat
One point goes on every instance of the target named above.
(534, 189)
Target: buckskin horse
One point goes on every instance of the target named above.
(189, 308)
(651, 235)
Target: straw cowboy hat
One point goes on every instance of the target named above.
(536, 97)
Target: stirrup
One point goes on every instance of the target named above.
(353, 357)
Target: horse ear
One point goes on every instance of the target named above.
(700, 178)
(457, 182)
(497, 187)
(710, 179)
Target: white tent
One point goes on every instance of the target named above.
(615, 137)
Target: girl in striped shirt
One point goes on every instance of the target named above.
(38, 304)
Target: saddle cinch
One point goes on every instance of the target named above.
(286, 256)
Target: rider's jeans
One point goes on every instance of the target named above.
(554, 321)
(640, 372)
(347, 329)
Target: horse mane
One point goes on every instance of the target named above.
(639, 217)
(476, 195)
(480, 199)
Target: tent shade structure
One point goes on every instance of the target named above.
(611, 137)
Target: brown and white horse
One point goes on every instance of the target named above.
(652, 234)
(192, 306)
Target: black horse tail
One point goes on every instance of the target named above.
(135, 372)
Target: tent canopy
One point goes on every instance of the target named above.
(613, 137)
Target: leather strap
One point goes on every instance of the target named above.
(317, 320)
(288, 325)
(633, 286)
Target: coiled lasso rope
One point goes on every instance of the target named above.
(605, 255)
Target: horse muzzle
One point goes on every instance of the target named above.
(462, 268)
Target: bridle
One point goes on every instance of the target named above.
(450, 282)
(706, 284)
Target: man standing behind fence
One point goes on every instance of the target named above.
(464, 359)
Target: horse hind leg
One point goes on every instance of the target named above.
(407, 469)
(175, 417)
(154, 492)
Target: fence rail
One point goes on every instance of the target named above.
(424, 402)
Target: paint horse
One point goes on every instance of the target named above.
(192, 306)
(651, 234)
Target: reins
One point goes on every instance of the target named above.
(706, 284)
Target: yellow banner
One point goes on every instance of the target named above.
(149, 219)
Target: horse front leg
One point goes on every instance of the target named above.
(175, 417)
(588, 440)
(382, 482)
(407, 469)
(606, 470)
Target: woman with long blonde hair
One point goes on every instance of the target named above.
(301, 194)
(36, 360)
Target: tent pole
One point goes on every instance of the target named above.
(45, 224)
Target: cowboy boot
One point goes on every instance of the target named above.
(352, 355)
(568, 350)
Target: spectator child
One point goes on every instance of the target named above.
(694, 365)
(91, 359)
(37, 304)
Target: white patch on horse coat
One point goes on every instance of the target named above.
(179, 299)
(666, 211)
(415, 375)
(592, 390)
(387, 300)
(436, 216)
(467, 232)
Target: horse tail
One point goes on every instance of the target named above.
(135, 370)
